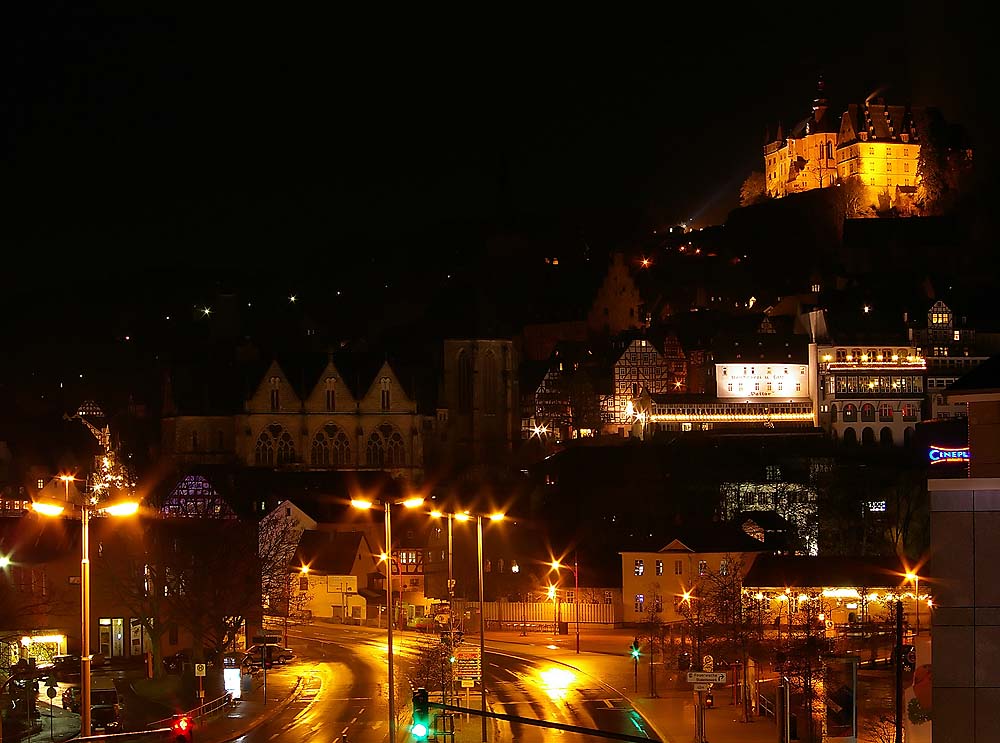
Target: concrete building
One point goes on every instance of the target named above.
(965, 519)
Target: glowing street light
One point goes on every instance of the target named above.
(365, 504)
(53, 508)
(915, 580)
(556, 565)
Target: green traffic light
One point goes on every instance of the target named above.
(451, 659)
(635, 653)
(419, 730)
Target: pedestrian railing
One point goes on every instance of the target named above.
(199, 713)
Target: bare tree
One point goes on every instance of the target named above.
(736, 621)
(754, 189)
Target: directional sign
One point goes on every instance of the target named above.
(703, 677)
(468, 662)
(468, 683)
(199, 669)
(702, 687)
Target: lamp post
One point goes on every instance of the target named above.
(386, 506)
(51, 507)
(915, 579)
(466, 516)
(576, 593)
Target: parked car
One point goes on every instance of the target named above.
(105, 718)
(175, 663)
(423, 624)
(276, 654)
(71, 699)
(65, 667)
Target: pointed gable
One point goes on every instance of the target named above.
(331, 392)
(274, 393)
(385, 393)
(847, 133)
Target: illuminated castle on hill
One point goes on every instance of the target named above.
(875, 142)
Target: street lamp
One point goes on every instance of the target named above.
(494, 517)
(915, 579)
(576, 593)
(364, 504)
(53, 508)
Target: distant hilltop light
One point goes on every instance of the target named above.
(292, 298)
(867, 309)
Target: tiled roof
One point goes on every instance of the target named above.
(329, 552)
(714, 537)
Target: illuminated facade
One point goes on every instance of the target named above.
(640, 368)
(871, 394)
(879, 144)
(330, 424)
(806, 159)
(872, 141)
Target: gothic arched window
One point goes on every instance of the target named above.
(330, 446)
(264, 451)
(286, 448)
(490, 384)
(464, 382)
(375, 451)
(395, 451)
(331, 396)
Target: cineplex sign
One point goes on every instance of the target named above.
(940, 454)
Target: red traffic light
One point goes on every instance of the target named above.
(709, 700)
(182, 724)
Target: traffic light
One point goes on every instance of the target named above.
(709, 700)
(421, 715)
(181, 729)
(635, 649)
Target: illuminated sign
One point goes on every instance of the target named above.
(940, 454)
(750, 381)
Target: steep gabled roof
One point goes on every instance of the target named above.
(329, 552)
(712, 537)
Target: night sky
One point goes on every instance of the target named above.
(148, 160)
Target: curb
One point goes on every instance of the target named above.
(265, 715)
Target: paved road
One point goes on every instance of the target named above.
(345, 697)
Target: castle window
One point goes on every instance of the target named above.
(286, 448)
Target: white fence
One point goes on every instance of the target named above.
(514, 614)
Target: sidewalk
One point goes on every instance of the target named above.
(64, 725)
(604, 656)
(250, 711)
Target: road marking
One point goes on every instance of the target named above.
(608, 703)
(353, 720)
(360, 711)
(344, 731)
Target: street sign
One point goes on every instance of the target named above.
(266, 639)
(703, 677)
(468, 683)
(51, 692)
(468, 662)
(199, 669)
(702, 687)
(708, 663)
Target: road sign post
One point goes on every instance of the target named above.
(704, 677)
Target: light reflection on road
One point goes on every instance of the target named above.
(556, 682)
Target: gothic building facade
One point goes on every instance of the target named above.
(327, 422)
